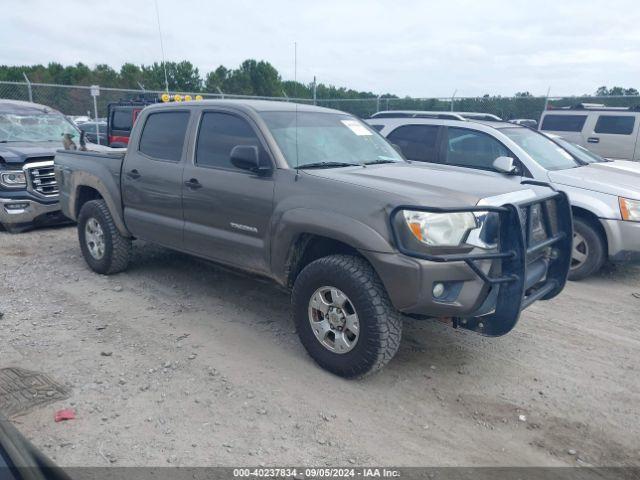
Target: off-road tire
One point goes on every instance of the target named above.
(117, 248)
(380, 322)
(596, 250)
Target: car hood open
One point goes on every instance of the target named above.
(619, 177)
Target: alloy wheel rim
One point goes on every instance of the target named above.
(334, 320)
(94, 238)
(579, 252)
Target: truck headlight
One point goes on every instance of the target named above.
(629, 209)
(440, 229)
(13, 178)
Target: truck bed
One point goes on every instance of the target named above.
(100, 170)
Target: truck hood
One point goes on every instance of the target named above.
(426, 183)
(619, 177)
(18, 152)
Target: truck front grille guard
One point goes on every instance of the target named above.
(516, 246)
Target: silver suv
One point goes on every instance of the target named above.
(605, 195)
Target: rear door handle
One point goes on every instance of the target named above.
(593, 140)
(193, 184)
(133, 174)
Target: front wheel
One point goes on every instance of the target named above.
(344, 316)
(588, 253)
(104, 249)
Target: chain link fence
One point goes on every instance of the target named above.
(507, 108)
(77, 100)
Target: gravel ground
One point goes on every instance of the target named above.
(180, 362)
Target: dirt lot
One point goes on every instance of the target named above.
(179, 362)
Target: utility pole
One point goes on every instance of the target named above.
(378, 103)
(546, 99)
(28, 86)
(453, 98)
(95, 92)
(315, 90)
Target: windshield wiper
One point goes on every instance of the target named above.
(377, 162)
(329, 165)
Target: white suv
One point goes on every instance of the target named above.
(611, 132)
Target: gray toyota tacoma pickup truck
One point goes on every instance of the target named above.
(322, 204)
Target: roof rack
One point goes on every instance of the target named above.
(417, 114)
(463, 116)
(595, 107)
(480, 116)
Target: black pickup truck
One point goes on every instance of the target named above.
(322, 204)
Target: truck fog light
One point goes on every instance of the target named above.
(16, 206)
(439, 290)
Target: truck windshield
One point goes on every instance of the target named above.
(34, 127)
(327, 140)
(547, 153)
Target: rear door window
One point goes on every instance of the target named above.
(163, 135)
(615, 124)
(563, 123)
(417, 142)
(469, 148)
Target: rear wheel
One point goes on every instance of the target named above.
(344, 317)
(104, 249)
(588, 253)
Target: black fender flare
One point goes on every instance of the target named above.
(298, 221)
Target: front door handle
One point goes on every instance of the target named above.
(193, 184)
(133, 174)
(593, 140)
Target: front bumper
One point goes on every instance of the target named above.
(623, 240)
(18, 212)
(491, 288)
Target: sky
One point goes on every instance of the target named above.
(417, 48)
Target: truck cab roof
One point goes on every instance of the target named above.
(246, 105)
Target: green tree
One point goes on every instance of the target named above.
(215, 80)
(602, 91)
(616, 91)
(129, 76)
(104, 75)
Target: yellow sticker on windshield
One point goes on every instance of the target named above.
(356, 127)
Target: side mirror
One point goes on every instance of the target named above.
(505, 165)
(247, 157)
